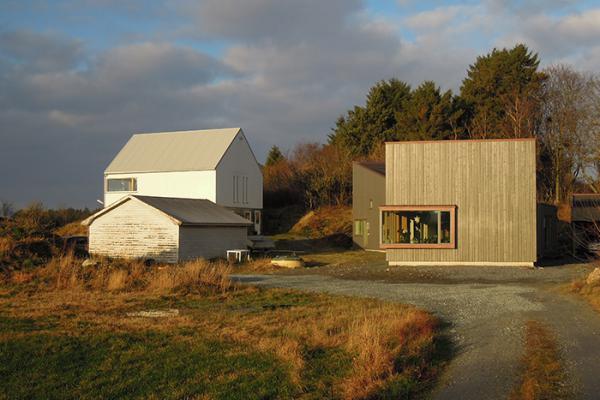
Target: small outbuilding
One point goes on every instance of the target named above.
(165, 229)
(368, 193)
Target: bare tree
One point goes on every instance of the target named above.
(569, 134)
(7, 209)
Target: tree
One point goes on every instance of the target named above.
(427, 114)
(274, 156)
(570, 130)
(501, 91)
(364, 127)
(6, 209)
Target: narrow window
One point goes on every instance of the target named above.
(359, 227)
(257, 217)
(418, 226)
(121, 185)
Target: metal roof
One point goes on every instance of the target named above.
(199, 150)
(183, 211)
(374, 166)
(585, 207)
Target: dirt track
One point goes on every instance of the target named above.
(486, 309)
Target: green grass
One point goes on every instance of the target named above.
(243, 343)
(140, 365)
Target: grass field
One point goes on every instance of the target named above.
(71, 332)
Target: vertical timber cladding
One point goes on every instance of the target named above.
(493, 185)
(367, 186)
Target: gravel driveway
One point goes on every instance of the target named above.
(486, 320)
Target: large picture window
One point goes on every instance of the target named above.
(418, 226)
(121, 185)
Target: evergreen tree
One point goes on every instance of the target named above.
(364, 127)
(428, 115)
(274, 156)
(501, 91)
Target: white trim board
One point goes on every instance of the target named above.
(529, 264)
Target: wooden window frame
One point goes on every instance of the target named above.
(447, 208)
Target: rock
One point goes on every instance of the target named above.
(88, 262)
(171, 312)
(594, 277)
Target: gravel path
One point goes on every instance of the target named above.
(486, 325)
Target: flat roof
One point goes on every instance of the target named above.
(463, 140)
(375, 166)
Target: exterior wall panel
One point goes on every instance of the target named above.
(239, 162)
(183, 184)
(367, 185)
(210, 242)
(134, 230)
(493, 185)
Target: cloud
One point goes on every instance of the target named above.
(284, 70)
(40, 52)
(278, 21)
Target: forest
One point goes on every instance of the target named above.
(505, 94)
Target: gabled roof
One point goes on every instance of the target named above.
(182, 211)
(199, 150)
(375, 166)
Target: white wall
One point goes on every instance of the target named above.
(184, 184)
(134, 230)
(239, 162)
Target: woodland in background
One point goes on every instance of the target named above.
(504, 95)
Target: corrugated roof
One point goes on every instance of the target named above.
(199, 150)
(184, 211)
(374, 166)
(585, 207)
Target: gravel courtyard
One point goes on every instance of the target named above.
(485, 308)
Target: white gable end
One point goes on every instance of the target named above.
(239, 178)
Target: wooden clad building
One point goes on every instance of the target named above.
(368, 194)
(460, 202)
(165, 229)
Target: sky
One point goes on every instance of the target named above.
(79, 77)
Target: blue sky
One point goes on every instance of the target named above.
(77, 78)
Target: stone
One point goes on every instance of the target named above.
(88, 262)
(171, 312)
(594, 277)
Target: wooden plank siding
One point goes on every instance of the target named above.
(135, 230)
(493, 185)
(367, 185)
(210, 241)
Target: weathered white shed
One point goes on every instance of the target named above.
(165, 229)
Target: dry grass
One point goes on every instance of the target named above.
(543, 376)
(7, 244)
(72, 229)
(591, 292)
(324, 221)
(67, 273)
(336, 346)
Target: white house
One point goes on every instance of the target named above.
(216, 164)
(165, 229)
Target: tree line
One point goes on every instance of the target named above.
(505, 94)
